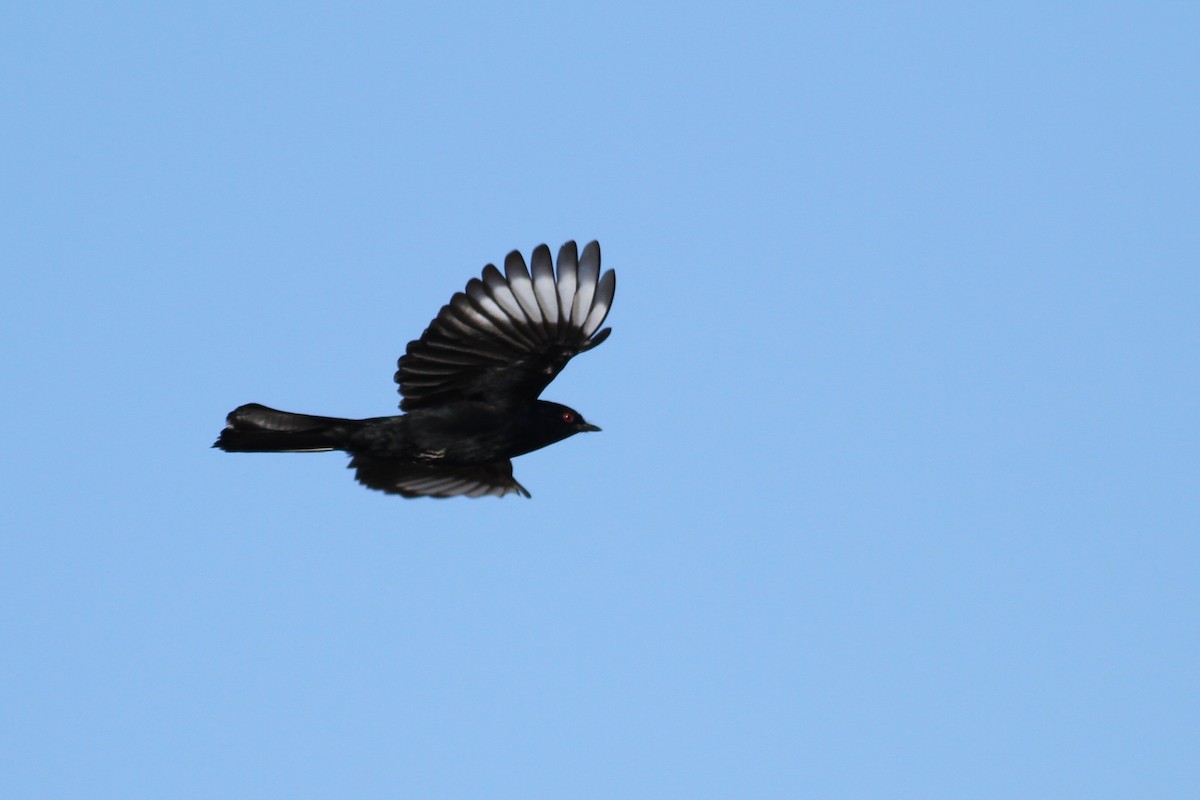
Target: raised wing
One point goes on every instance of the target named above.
(418, 480)
(508, 335)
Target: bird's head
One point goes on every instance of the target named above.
(553, 422)
(556, 416)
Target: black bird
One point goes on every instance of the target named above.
(469, 385)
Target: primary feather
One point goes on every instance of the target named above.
(508, 335)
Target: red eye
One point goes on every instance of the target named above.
(567, 416)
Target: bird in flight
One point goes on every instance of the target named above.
(469, 385)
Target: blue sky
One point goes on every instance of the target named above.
(897, 489)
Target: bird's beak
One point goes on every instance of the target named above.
(587, 426)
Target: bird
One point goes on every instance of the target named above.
(469, 386)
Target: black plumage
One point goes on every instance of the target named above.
(469, 385)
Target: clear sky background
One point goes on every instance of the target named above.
(898, 491)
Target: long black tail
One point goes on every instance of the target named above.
(257, 429)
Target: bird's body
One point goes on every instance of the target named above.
(470, 385)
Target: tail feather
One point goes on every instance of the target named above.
(254, 428)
